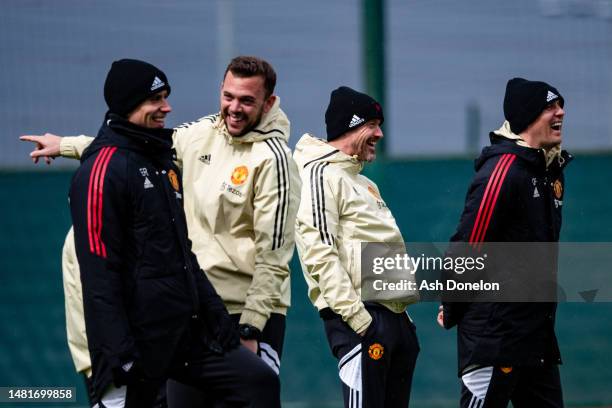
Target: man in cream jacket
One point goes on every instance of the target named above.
(375, 342)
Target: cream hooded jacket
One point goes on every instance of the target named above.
(73, 303)
(339, 209)
(241, 197)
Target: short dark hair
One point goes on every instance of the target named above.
(247, 66)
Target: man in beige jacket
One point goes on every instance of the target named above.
(241, 195)
(375, 342)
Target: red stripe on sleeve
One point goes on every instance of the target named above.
(486, 198)
(91, 216)
(488, 207)
(101, 200)
(499, 185)
(96, 201)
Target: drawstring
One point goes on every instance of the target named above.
(561, 160)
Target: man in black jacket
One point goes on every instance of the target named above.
(508, 351)
(150, 312)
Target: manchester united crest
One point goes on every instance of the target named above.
(373, 191)
(558, 189)
(174, 181)
(376, 351)
(239, 175)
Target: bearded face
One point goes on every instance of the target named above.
(362, 141)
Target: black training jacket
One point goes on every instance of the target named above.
(142, 285)
(514, 197)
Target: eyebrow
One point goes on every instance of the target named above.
(242, 98)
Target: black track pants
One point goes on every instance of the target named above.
(270, 352)
(495, 387)
(376, 369)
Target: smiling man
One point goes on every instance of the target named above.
(375, 342)
(508, 351)
(241, 196)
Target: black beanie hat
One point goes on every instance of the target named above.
(525, 100)
(349, 109)
(129, 82)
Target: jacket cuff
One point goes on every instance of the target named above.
(118, 359)
(68, 149)
(360, 320)
(253, 318)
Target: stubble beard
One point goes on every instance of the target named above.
(249, 125)
(360, 146)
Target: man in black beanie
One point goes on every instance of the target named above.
(508, 351)
(534, 111)
(374, 341)
(150, 312)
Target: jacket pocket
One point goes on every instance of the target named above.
(371, 330)
(340, 336)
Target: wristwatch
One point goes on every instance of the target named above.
(248, 332)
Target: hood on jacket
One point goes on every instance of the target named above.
(310, 148)
(273, 124)
(504, 141)
(505, 132)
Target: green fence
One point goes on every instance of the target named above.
(425, 196)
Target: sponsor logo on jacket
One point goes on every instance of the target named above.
(227, 187)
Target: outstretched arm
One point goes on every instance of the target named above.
(47, 146)
(50, 146)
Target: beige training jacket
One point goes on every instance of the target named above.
(73, 303)
(241, 197)
(339, 209)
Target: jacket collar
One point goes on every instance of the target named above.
(504, 141)
(117, 131)
(311, 149)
